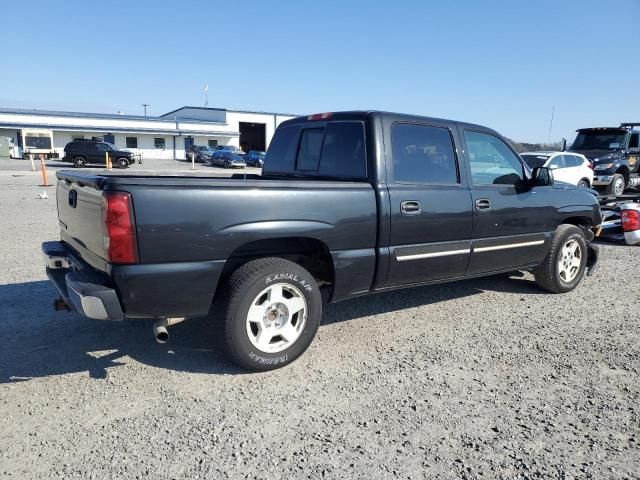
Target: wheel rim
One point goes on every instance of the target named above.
(276, 318)
(582, 184)
(124, 163)
(618, 187)
(79, 162)
(570, 261)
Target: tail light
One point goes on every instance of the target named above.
(119, 228)
(630, 220)
(590, 165)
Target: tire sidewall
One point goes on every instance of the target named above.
(303, 282)
(568, 286)
(79, 162)
(123, 163)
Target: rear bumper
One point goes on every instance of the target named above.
(182, 289)
(83, 290)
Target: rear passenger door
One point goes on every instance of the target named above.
(431, 215)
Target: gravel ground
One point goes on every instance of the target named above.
(488, 378)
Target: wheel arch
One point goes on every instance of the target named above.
(624, 171)
(310, 253)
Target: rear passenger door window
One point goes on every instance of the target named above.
(423, 154)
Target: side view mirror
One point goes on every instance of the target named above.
(542, 177)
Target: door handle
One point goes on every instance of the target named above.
(483, 204)
(410, 207)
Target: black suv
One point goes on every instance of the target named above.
(85, 152)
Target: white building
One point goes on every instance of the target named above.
(166, 136)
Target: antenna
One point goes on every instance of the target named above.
(206, 95)
(553, 110)
(145, 105)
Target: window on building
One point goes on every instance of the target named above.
(491, 161)
(132, 142)
(158, 142)
(37, 140)
(77, 137)
(213, 143)
(423, 154)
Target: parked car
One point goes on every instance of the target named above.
(199, 153)
(92, 152)
(349, 204)
(255, 158)
(227, 159)
(615, 153)
(232, 148)
(567, 167)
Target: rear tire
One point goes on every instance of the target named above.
(563, 268)
(617, 185)
(584, 183)
(272, 309)
(79, 162)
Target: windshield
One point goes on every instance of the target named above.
(599, 140)
(258, 154)
(111, 146)
(535, 161)
(235, 157)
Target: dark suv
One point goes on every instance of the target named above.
(86, 152)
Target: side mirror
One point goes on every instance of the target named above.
(542, 177)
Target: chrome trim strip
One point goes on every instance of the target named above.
(508, 245)
(402, 258)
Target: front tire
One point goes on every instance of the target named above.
(123, 162)
(563, 268)
(617, 185)
(272, 309)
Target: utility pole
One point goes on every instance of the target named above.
(145, 105)
(553, 110)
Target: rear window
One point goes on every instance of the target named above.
(336, 149)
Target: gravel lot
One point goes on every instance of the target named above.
(488, 378)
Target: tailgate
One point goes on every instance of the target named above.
(80, 218)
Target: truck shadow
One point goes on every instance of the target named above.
(39, 342)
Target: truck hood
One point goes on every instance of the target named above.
(596, 156)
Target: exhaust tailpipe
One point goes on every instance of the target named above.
(160, 328)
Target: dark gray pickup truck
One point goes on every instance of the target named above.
(348, 204)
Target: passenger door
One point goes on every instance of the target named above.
(431, 216)
(511, 220)
(561, 171)
(100, 150)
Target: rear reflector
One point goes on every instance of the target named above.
(630, 220)
(119, 228)
(320, 116)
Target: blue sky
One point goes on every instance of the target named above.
(499, 63)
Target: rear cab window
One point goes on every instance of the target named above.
(332, 149)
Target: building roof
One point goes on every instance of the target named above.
(216, 109)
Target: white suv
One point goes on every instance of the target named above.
(567, 167)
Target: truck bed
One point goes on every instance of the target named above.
(195, 223)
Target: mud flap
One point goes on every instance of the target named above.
(592, 258)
